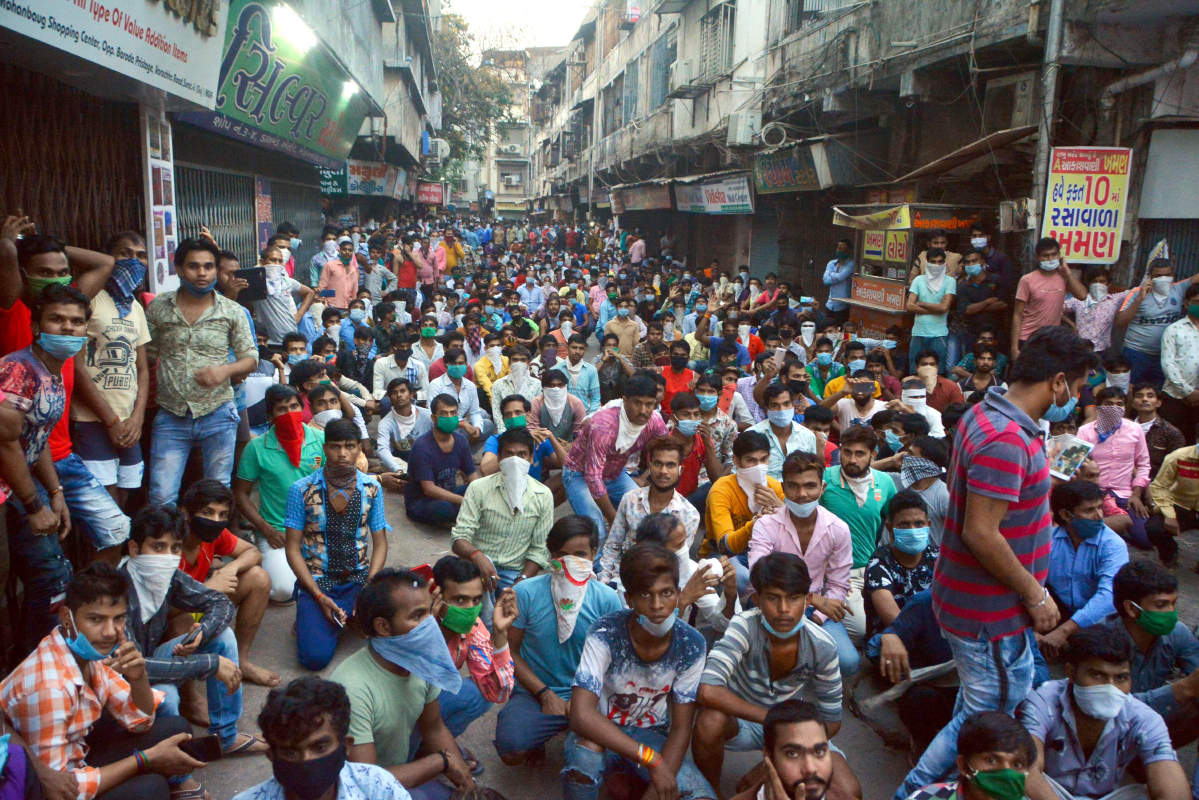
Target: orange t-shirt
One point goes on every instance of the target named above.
(675, 383)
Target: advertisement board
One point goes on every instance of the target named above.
(640, 198)
(789, 170)
(1084, 201)
(724, 196)
(873, 244)
(431, 194)
(898, 247)
(878, 293)
(170, 46)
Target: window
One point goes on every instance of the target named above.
(613, 103)
(805, 12)
(716, 41)
(632, 73)
(662, 55)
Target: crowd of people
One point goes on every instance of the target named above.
(698, 540)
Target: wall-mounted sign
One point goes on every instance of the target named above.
(1084, 201)
(724, 196)
(789, 170)
(334, 181)
(898, 248)
(873, 244)
(640, 198)
(162, 232)
(431, 194)
(877, 293)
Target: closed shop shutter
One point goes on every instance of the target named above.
(70, 161)
(764, 241)
(1183, 238)
(222, 201)
(299, 204)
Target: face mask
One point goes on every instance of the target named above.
(973, 269)
(802, 510)
(916, 398)
(357, 314)
(455, 371)
(701, 307)
(687, 427)
(1156, 623)
(1100, 702)
(447, 424)
(743, 332)
(678, 363)
(658, 628)
(60, 346)
(461, 620)
(1051, 265)
(329, 248)
(515, 422)
(197, 291)
(857, 364)
(1056, 413)
(707, 402)
(935, 270)
(1162, 285)
(911, 540)
(325, 417)
(80, 646)
(1000, 784)
(515, 473)
(782, 417)
(422, 651)
(151, 574)
(1097, 291)
(1193, 309)
(978, 242)
(555, 395)
(38, 283)
(296, 358)
(206, 530)
(567, 328)
(893, 441)
(781, 634)
(519, 370)
(428, 333)
(285, 254)
(622, 312)
(824, 359)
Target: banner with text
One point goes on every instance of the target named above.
(1084, 202)
(650, 197)
(789, 170)
(152, 42)
(724, 196)
(431, 194)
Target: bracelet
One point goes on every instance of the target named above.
(445, 761)
(473, 553)
(55, 490)
(1044, 600)
(648, 756)
(541, 691)
(141, 762)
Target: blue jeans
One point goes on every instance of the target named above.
(43, 569)
(847, 655)
(994, 676)
(578, 493)
(1146, 368)
(171, 441)
(935, 343)
(594, 766)
(316, 636)
(458, 711)
(699, 498)
(433, 512)
(90, 503)
(521, 727)
(224, 709)
(955, 345)
(507, 580)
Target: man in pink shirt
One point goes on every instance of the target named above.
(1041, 294)
(340, 276)
(1122, 456)
(637, 250)
(804, 528)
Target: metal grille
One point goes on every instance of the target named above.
(301, 206)
(222, 201)
(70, 161)
(716, 41)
(1183, 238)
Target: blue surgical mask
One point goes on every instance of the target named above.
(890, 344)
(856, 364)
(973, 269)
(707, 402)
(80, 646)
(658, 628)
(1087, 528)
(911, 540)
(701, 307)
(60, 346)
(1056, 413)
(893, 441)
(802, 510)
(423, 652)
(357, 314)
(295, 358)
(489, 309)
(687, 427)
(781, 634)
(824, 359)
(456, 371)
(622, 312)
(782, 417)
(198, 291)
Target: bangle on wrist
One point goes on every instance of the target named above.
(56, 490)
(541, 691)
(648, 756)
(445, 761)
(1043, 601)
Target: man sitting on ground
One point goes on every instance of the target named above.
(995, 755)
(433, 494)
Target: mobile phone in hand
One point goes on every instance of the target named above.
(191, 636)
(204, 748)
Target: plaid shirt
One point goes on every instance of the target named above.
(187, 594)
(54, 706)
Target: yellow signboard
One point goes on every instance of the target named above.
(1084, 201)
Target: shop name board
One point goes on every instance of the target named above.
(727, 196)
(150, 42)
(884, 295)
(1084, 201)
(431, 194)
(898, 247)
(791, 170)
(873, 244)
(950, 221)
(334, 181)
(640, 198)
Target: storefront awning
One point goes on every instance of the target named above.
(512, 208)
(963, 155)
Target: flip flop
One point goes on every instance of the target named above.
(244, 747)
(199, 793)
(476, 767)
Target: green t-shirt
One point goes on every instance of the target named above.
(384, 707)
(863, 520)
(264, 462)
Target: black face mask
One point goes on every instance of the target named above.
(310, 779)
(678, 363)
(206, 530)
(402, 353)
(796, 387)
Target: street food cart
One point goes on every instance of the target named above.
(886, 239)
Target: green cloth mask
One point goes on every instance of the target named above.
(1001, 784)
(456, 371)
(516, 422)
(428, 333)
(1156, 623)
(37, 283)
(447, 424)
(461, 620)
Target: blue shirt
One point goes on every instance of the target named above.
(532, 297)
(552, 661)
(837, 276)
(585, 387)
(427, 462)
(716, 346)
(1137, 731)
(1152, 671)
(1082, 579)
(606, 312)
(916, 626)
(305, 512)
(546, 448)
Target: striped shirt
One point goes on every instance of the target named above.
(740, 662)
(999, 453)
(487, 522)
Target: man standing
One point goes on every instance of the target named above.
(1041, 294)
(1145, 314)
(837, 277)
(989, 583)
(930, 297)
(1180, 364)
(338, 284)
(193, 329)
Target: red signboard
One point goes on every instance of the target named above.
(430, 194)
(877, 293)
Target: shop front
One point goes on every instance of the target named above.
(886, 242)
(643, 206)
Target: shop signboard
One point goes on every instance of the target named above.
(875, 293)
(640, 198)
(895, 218)
(873, 244)
(789, 170)
(725, 196)
(370, 178)
(170, 46)
(280, 88)
(334, 181)
(431, 194)
(898, 247)
(1084, 202)
(944, 219)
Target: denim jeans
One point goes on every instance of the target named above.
(993, 676)
(1146, 368)
(43, 569)
(955, 345)
(578, 493)
(847, 655)
(433, 512)
(521, 727)
(507, 580)
(937, 344)
(224, 709)
(699, 498)
(594, 766)
(171, 443)
(316, 636)
(458, 711)
(90, 503)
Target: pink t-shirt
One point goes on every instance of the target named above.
(1044, 295)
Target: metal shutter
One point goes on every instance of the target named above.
(300, 205)
(224, 202)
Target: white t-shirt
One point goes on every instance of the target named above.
(846, 411)
(111, 356)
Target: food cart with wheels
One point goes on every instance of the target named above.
(886, 240)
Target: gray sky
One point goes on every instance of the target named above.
(521, 23)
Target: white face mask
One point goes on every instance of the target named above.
(742, 331)
(1119, 380)
(329, 248)
(1098, 291)
(519, 370)
(555, 395)
(935, 270)
(286, 253)
(325, 417)
(668, 330)
(916, 398)
(1103, 701)
(494, 354)
(151, 576)
(978, 242)
(514, 472)
(1161, 286)
(438, 305)
(567, 327)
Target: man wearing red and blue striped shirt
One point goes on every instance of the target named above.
(989, 584)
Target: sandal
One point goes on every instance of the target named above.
(244, 747)
(198, 793)
(473, 763)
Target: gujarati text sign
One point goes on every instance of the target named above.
(1084, 201)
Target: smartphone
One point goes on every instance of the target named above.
(191, 637)
(425, 571)
(778, 356)
(203, 748)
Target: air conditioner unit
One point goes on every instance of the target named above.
(510, 148)
(512, 180)
(744, 127)
(439, 150)
(1012, 101)
(680, 75)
